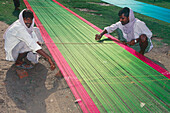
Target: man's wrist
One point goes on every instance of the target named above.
(101, 34)
(137, 40)
(49, 59)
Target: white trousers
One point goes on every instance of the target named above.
(22, 48)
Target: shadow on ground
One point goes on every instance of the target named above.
(29, 93)
(157, 62)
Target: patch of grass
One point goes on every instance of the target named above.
(157, 43)
(110, 16)
(161, 3)
(7, 13)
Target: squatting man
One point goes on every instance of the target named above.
(131, 31)
(23, 42)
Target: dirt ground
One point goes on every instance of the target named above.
(43, 91)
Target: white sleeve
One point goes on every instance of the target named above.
(112, 28)
(143, 29)
(24, 36)
(38, 34)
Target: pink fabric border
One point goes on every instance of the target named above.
(138, 55)
(86, 103)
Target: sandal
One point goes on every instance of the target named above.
(25, 66)
(22, 73)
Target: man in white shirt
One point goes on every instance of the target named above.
(131, 31)
(23, 40)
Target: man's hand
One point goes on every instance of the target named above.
(131, 43)
(123, 42)
(98, 37)
(52, 64)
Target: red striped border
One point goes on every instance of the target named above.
(67, 72)
(86, 103)
(132, 51)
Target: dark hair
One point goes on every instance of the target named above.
(27, 14)
(124, 11)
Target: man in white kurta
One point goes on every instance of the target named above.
(131, 31)
(23, 40)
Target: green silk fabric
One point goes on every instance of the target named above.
(115, 79)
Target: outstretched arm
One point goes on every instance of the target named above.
(52, 64)
(99, 36)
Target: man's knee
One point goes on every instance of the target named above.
(20, 48)
(143, 38)
(21, 44)
(23, 47)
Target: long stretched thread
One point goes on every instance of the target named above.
(115, 79)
